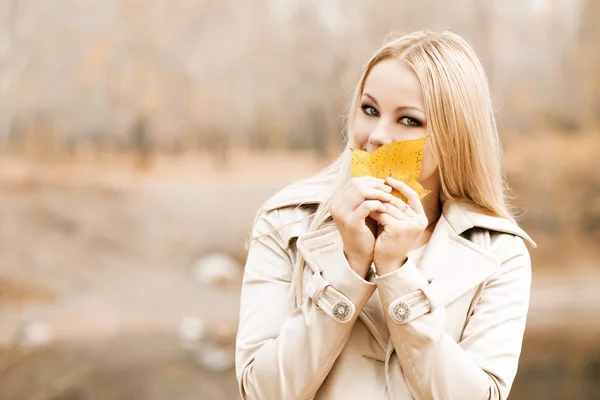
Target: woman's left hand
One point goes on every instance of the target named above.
(399, 227)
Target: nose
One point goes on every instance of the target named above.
(379, 137)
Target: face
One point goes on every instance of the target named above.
(391, 109)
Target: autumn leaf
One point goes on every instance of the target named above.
(401, 160)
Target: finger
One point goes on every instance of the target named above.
(355, 193)
(372, 182)
(374, 194)
(385, 219)
(413, 197)
(384, 187)
(369, 180)
(395, 212)
(366, 209)
(359, 195)
(374, 214)
(402, 206)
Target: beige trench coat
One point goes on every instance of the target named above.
(450, 328)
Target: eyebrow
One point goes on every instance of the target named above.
(401, 108)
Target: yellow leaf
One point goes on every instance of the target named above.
(361, 164)
(401, 160)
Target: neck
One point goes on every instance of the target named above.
(433, 210)
(431, 202)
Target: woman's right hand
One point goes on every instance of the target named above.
(351, 210)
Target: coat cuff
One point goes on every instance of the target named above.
(334, 287)
(406, 294)
(344, 279)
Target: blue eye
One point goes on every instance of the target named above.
(370, 111)
(408, 121)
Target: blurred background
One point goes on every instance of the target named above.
(138, 138)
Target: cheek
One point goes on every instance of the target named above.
(360, 132)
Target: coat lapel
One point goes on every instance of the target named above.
(452, 264)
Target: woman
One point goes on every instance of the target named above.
(389, 300)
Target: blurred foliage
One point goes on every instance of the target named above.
(266, 74)
(102, 81)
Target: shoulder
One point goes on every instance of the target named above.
(464, 216)
(504, 241)
(287, 212)
(503, 238)
(294, 201)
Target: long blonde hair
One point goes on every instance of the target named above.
(461, 125)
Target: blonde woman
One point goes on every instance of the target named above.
(351, 293)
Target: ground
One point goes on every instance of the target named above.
(101, 255)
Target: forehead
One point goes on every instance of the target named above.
(393, 81)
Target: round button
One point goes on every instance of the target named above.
(401, 311)
(341, 310)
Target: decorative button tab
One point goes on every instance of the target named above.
(341, 310)
(401, 311)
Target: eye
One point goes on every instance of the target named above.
(370, 111)
(408, 121)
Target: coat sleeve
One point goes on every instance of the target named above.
(483, 365)
(284, 354)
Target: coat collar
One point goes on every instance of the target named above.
(461, 215)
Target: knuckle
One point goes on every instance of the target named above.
(334, 212)
(386, 195)
(352, 185)
(357, 181)
(363, 190)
